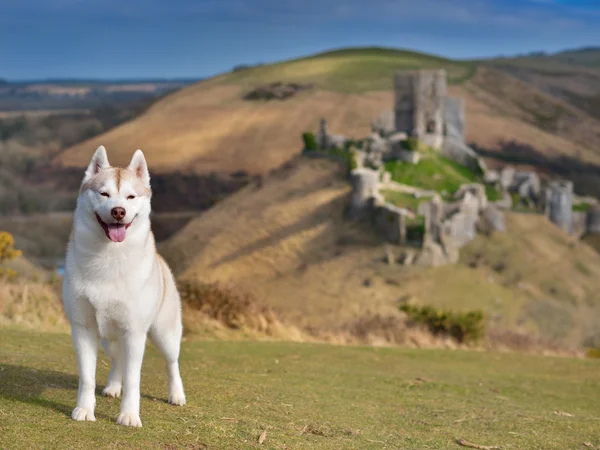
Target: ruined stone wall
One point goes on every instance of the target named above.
(593, 220)
(559, 204)
(390, 221)
(579, 222)
(462, 226)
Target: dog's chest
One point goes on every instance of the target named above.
(122, 296)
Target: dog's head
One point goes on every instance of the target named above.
(115, 198)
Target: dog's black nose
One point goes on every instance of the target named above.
(118, 213)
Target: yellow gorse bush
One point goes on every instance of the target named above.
(7, 247)
(8, 252)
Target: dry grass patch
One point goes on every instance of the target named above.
(31, 304)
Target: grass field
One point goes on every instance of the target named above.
(306, 396)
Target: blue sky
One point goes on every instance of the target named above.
(185, 38)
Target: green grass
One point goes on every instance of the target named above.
(492, 193)
(432, 172)
(352, 70)
(438, 173)
(403, 199)
(581, 207)
(305, 396)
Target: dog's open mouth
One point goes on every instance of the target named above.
(116, 232)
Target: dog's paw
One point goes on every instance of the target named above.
(113, 391)
(129, 419)
(80, 414)
(177, 398)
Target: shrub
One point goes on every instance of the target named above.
(463, 327)
(234, 308)
(593, 353)
(310, 143)
(411, 144)
(8, 252)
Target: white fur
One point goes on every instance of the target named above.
(119, 292)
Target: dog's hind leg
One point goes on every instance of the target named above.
(115, 378)
(166, 336)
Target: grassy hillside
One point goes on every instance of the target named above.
(571, 77)
(587, 57)
(288, 243)
(208, 127)
(354, 70)
(305, 396)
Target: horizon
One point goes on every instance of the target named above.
(185, 39)
(200, 78)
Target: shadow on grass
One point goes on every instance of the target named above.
(27, 385)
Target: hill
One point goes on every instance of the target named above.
(284, 237)
(572, 76)
(581, 57)
(210, 127)
(306, 396)
(289, 243)
(587, 56)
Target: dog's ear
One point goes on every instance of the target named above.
(140, 167)
(99, 161)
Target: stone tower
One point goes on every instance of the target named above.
(419, 104)
(365, 188)
(559, 204)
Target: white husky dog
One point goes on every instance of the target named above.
(117, 288)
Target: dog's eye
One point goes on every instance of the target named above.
(131, 197)
(104, 194)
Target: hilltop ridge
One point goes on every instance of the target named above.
(209, 127)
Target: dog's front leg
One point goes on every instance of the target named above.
(133, 347)
(85, 341)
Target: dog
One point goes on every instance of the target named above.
(117, 289)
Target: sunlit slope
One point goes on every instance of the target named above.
(209, 127)
(288, 243)
(356, 70)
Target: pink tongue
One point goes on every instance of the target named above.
(116, 232)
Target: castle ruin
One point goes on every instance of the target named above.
(419, 105)
(448, 220)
